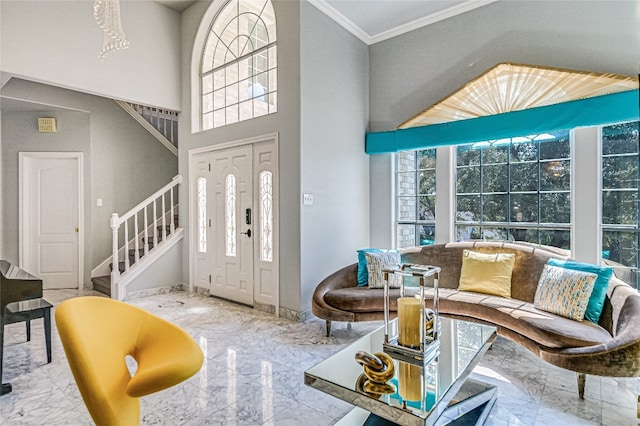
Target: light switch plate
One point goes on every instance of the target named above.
(307, 199)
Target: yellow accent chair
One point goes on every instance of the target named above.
(98, 333)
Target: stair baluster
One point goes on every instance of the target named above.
(150, 243)
(146, 232)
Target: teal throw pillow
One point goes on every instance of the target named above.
(363, 274)
(596, 300)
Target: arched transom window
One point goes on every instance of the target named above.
(238, 69)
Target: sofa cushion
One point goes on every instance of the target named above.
(564, 292)
(362, 299)
(596, 300)
(544, 328)
(488, 273)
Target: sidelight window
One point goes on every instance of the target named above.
(230, 215)
(266, 216)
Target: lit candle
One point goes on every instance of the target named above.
(409, 322)
(409, 382)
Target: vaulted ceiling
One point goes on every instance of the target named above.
(377, 20)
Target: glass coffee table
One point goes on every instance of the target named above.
(437, 394)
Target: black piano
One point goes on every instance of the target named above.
(16, 285)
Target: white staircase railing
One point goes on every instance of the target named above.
(160, 123)
(151, 214)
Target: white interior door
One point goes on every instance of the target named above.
(50, 218)
(232, 233)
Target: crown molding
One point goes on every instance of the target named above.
(430, 19)
(347, 24)
(342, 20)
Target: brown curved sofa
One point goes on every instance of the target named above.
(610, 348)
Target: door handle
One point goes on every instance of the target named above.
(248, 233)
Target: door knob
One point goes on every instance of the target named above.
(248, 233)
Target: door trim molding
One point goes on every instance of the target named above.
(23, 255)
(192, 212)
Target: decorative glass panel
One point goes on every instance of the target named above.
(230, 215)
(240, 53)
(202, 214)
(266, 216)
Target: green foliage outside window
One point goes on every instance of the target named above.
(515, 189)
(416, 199)
(620, 175)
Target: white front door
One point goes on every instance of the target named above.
(234, 212)
(232, 231)
(50, 217)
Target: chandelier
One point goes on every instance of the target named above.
(107, 15)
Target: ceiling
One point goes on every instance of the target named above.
(373, 21)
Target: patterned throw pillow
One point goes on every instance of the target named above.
(377, 262)
(564, 292)
(600, 287)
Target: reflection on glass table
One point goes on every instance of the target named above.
(437, 393)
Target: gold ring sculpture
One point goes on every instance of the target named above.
(378, 369)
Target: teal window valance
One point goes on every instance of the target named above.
(594, 111)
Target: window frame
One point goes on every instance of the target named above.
(509, 226)
(417, 223)
(233, 100)
(631, 273)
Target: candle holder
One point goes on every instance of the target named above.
(418, 328)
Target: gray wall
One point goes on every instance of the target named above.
(20, 134)
(124, 164)
(165, 273)
(334, 68)
(286, 122)
(2, 203)
(58, 42)
(413, 71)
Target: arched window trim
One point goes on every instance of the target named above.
(197, 55)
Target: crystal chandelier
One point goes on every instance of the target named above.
(107, 14)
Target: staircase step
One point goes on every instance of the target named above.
(121, 264)
(132, 254)
(102, 284)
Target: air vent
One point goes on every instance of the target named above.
(47, 125)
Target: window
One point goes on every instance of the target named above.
(515, 189)
(202, 214)
(416, 200)
(620, 175)
(239, 64)
(266, 216)
(230, 214)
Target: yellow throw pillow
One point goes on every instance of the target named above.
(486, 273)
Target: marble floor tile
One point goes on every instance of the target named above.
(254, 375)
